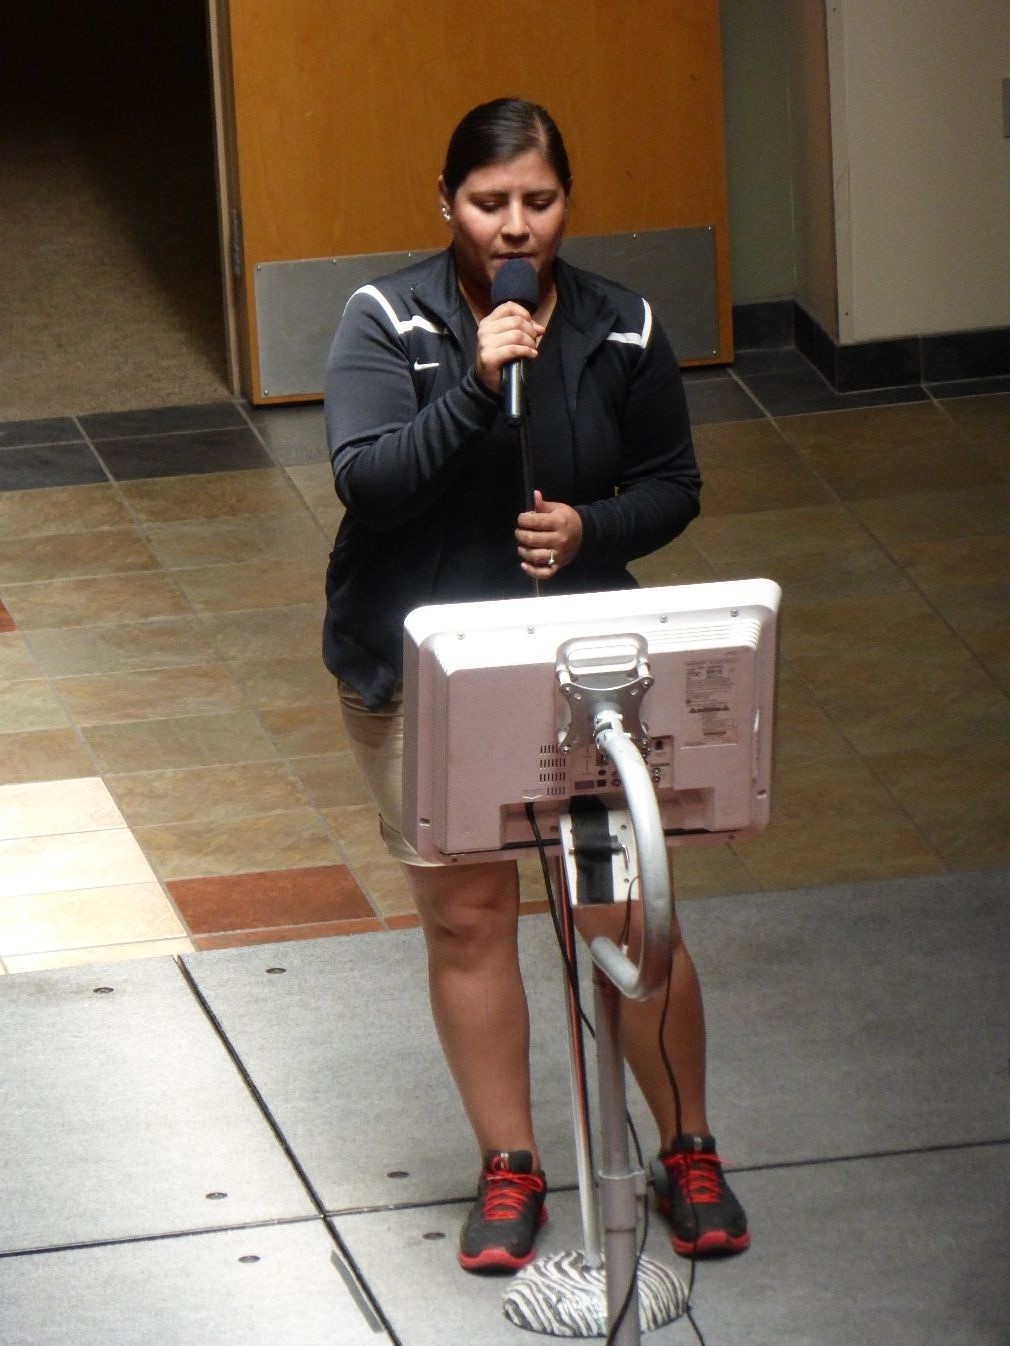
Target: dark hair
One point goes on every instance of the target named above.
(503, 129)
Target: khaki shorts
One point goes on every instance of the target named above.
(376, 740)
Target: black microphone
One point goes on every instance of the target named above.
(515, 280)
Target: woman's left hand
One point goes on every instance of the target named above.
(549, 537)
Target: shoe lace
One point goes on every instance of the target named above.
(699, 1177)
(506, 1195)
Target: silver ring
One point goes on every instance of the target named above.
(551, 561)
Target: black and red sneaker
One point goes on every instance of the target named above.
(502, 1224)
(706, 1219)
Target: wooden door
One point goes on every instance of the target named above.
(333, 119)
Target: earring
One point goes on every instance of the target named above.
(445, 214)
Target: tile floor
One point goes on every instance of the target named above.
(173, 774)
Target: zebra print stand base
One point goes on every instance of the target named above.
(562, 1297)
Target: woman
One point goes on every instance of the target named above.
(432, 483)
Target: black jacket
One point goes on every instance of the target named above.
(403, 407)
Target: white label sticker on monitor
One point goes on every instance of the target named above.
(711, 700)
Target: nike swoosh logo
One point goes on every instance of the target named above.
(432, 365)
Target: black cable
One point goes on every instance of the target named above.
(526, 456)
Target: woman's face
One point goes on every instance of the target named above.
(515, 208)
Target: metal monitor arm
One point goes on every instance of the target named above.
(602, 683)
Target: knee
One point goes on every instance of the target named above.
(472, 907)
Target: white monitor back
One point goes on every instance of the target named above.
(483, 712)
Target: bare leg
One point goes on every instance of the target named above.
(683, 1030)
(469, 915)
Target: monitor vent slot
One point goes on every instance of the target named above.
(743, 632)
(553, 771)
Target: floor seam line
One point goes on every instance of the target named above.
(370, 1303)
(872, 1155)
(127, 1240)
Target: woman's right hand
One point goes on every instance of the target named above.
(507, 333)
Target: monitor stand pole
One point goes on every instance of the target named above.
(578, 1294)
(583, 1293)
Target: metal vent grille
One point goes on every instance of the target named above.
(553, 771)
(744, 631)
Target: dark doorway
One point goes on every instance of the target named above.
(113, 294)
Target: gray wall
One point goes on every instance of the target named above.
(778, 150)
(868, 172)
(755, 52)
